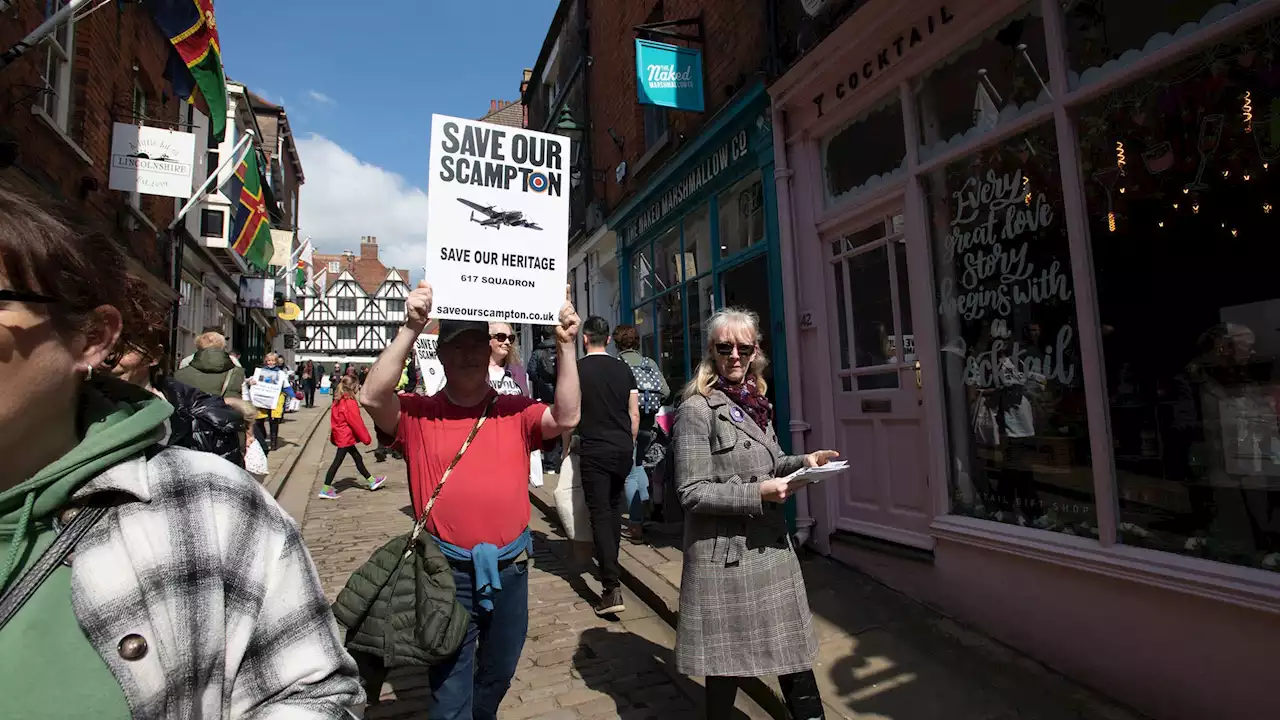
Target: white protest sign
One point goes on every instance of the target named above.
(151, 161)
(429, 367)
(498, 222)
(265, 391)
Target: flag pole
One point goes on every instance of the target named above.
(40, 33)
(199, 194)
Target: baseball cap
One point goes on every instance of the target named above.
(452, 329)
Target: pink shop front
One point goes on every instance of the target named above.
(1040, 314)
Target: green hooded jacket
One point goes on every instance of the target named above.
(51, 669)
(213, 372)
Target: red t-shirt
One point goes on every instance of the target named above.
(487, 496)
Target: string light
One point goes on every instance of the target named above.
(1026, 188)
(1266, 165)
(1248, 112)
(1226, 173)
(1120, 156)
(1266, 208)
(1246, 177)
(1175, 206)
(1195, 209)
(1186, 190)
(1111, 221)
(1235, 232)
(1121, 191)
(1161, 223)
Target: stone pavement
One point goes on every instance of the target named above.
(882, 655)
(575, 665)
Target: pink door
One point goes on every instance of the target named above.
(878, 405)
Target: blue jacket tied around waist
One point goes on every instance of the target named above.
(485, 558)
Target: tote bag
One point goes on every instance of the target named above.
(571, 501)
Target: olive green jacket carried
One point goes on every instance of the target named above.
(403, 613)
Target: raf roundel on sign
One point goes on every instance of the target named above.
(538, 182)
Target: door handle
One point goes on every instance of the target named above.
(919, 380)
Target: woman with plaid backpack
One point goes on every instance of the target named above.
(653, 394)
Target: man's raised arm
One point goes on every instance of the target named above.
(378, 396)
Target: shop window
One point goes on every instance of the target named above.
(1104, 36)
(869, 152)
(1001, 75)
(697, 242)
(747, 286)
(666, 252)
(741, 211)
(642, 318)
(1182, 180)
(641, 273)
(671, 336)
(701, 306)
(1010, 357)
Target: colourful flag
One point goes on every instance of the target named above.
(304, 260)
(196, 61)
(250, 223)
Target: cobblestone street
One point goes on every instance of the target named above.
(575, 665)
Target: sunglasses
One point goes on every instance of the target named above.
(744, 351)
(503, 337)
(26, 297)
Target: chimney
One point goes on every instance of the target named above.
(369, 248)
(493, 106)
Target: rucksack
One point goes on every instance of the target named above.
(649, 383)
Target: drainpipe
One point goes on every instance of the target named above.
(790, 300)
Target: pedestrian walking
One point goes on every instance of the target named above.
(346, 427)
(481, 521)
(212, 369)
(176, 586)
(310, 377)
(606, 451)
(743, 607)
(542, 385)
(268, 426)
(200, 421)
(653, 392)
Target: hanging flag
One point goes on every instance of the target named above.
(195, 64)
(250, 223)
(304, 261)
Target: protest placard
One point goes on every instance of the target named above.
(429, 367)
(498, 222)
(265, 391)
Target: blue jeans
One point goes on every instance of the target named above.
(637, 492)
(472, 684)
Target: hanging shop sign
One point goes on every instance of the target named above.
(257, 293)
(707, 170)
(151, 161)
(497, 222)
(669, 76)
(884, 58)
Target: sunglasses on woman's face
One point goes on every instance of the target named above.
(744, 351)
(24, 297)
(503, 337)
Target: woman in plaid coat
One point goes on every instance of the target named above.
(743, 606)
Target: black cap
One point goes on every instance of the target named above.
(452, 329)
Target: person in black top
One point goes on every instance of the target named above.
(607, 432)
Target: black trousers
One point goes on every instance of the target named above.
(604, 478)
(274, 424)
(338, 457)
(799, 691)
(260, 434)
(309, 393)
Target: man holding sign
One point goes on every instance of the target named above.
(481, 519)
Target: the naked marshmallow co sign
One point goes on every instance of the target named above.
(669, 76)
(152, 161)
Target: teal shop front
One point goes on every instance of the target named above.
(703, 235)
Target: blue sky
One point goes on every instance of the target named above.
(360, 82)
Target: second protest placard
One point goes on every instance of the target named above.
(498, 228)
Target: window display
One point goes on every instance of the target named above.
(1005, 301)
(868, 152)
(741, 210)
(1181, 184)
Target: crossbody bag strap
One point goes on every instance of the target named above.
(26, 585)
(421, 524)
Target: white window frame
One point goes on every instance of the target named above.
(334, 266)
(55, 96)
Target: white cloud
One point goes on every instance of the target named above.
(321, 97)
(345, 199)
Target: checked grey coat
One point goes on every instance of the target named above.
(743, 607)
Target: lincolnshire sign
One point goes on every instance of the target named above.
(151, 161)
(497, 223)
(669, 76)
(707, 170)
(885, 57)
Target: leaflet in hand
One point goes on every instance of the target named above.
(807, 475)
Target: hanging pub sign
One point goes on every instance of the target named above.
(669, 76)
(151, 161)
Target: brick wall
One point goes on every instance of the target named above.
(735, 49)
(106, 47)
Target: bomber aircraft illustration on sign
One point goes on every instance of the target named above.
(496, 218)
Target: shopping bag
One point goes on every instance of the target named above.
(571, 501)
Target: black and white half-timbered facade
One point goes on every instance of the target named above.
(347, 324)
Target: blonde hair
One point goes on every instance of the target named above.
(705, 375)
(211, 341)
(270, 355)
(513, 355)
(347, 387)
